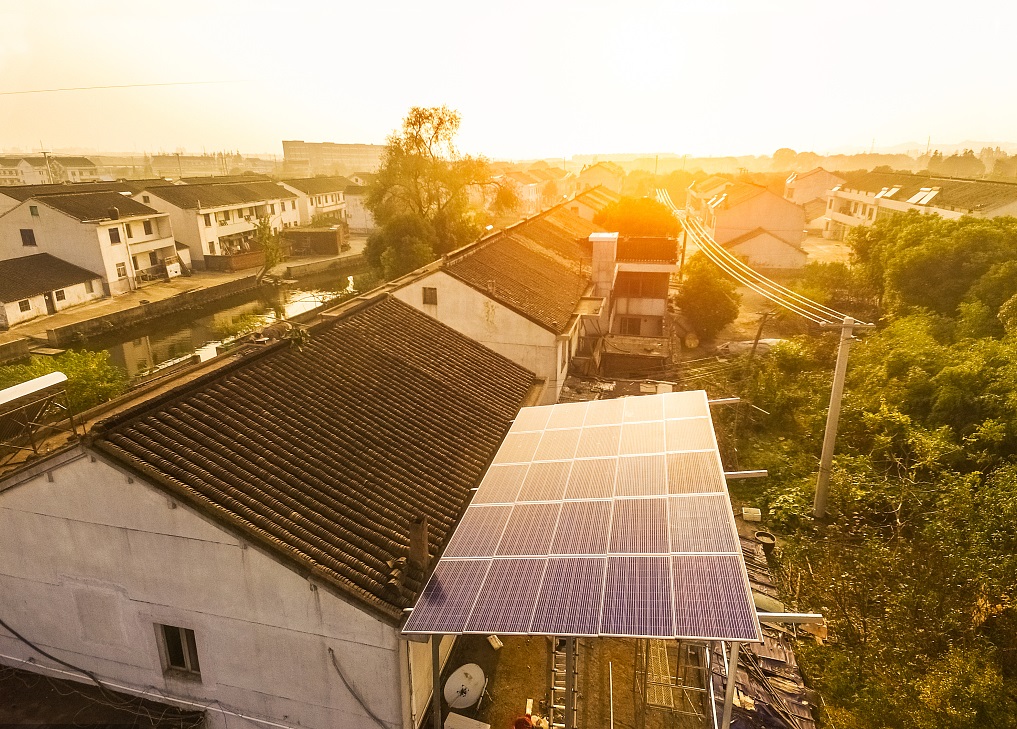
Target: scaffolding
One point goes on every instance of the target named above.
(672, 684)
(30, 411)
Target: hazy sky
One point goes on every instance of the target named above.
(531, 79)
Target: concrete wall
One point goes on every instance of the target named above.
(12, 314)
(497, 327)
(811, 185)
(61, 236)
(92, 561)
(360, 218)
(766, 251)
(765, 210)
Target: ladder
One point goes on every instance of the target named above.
(563, 668)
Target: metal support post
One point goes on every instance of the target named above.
(570, 683)
(732, 676)
(833, 416)
(436, 679)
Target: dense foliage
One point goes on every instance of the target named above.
(638, 216)
(917, 568)
(426, 194)
(707, 299)
(91, 378)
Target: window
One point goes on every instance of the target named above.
(114, 235)
(28, 237)
(153, 258)
(271, 209)
(121, 270)
(293, 204)
(148, 227)
(25, 305)
(145, 198)
(180, 651)
(60, 295)
(629, 326)
(208, 220)
(34, 210)
(89, 287)
(430, 295)
(127, 227)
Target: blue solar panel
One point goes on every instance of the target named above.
(479, 532)
(507, 599)
(638, 597)
(529, 529)
(639, 526)
(448, 597)
(582, 528)
(569, 600)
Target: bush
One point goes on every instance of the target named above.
(91, 378)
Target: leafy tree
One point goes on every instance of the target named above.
(424, 176)
(91, 378)
(706, 297)
(268, 241)
(404, 244)
(639, 216)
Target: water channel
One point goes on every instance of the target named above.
(153, 346)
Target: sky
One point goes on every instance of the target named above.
(531, 79)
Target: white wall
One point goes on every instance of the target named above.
(92, 560)
(497, 327)
(765, 210)
(766, 251)
(360, 218)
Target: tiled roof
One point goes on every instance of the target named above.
(611, 167)
(755, 233)
(189, 197)
(95, 206)
(319, 185)
(598, 197)
(740, 192)
(28, 276)
(325, 454)
(663, 250)
(535, 267)
(224, 179)
(954, 194)
(23, 192)
(73, 161)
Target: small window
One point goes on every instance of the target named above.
(60, 295)
(25, 305)
(208, 220)
(271, 209)
(148, 227)
(630, 326)
(89, 287)
(431, 295)
(121, 270)
(34, 210)
(28, 237)
(127, 227)
(145, 198)
(181, 650)
(153, 258)
(114, 235)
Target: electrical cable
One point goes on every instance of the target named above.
(354, 692)
(110, 86)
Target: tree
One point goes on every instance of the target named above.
(638, 216)
(268, 241)
(423, 176)
(407, 242)
(707, 298)
(91, 378)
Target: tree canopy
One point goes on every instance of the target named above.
(425, 179)
(707, 297)
(640, 216)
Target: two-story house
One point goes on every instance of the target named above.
(320, 200)
(811, 190)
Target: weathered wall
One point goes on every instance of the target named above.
(766, 210)
(92, 561)
(766, 251)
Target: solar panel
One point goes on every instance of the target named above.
(604, 518)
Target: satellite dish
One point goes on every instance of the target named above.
(465, 686)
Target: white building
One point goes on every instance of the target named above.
(121, 240)
(361, 219)
(248, 542)
(590, 202)
(811, 190)
(319, 199)
(866, 197)
(38, 285)
(217, 221)
(46, 169)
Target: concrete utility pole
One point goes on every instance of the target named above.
(847, 328)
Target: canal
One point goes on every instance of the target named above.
(153, 346)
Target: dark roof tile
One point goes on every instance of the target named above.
(28, 276)
(189, 197)
(90, 207)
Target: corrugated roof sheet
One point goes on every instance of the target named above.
(28, 276)
(325, 455)
(190, 197)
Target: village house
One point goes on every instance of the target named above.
(11, 197)
(41, 284)
(217, 221)
(866, 197)
(248, 542)
(751, 221)
(46, 169)
(320, 200)
(607, 174)
(360, 219)
(122, 241)
(811, 190)
(590, 202)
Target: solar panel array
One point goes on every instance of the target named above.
(609, 517)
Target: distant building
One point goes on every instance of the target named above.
(590, 202)
(756, 223)
(320, 199)
(811, 190)
(125, 242)
(41, 284)
(866, 197)
(361, 219)
(608, 174)
(307, 159)
(217, 221)
(46, 169)
(249, 541)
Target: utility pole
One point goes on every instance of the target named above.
(847, 328)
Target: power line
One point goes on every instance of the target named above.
(111, 86)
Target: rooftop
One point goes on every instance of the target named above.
(954, 193)
(319, 185)
(28, 276)
(23, 192)
(92, 207)
(598, 197)
(212, 195)
(324, 454)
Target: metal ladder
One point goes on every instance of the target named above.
(563, 669)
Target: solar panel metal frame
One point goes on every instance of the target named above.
(577, 465)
